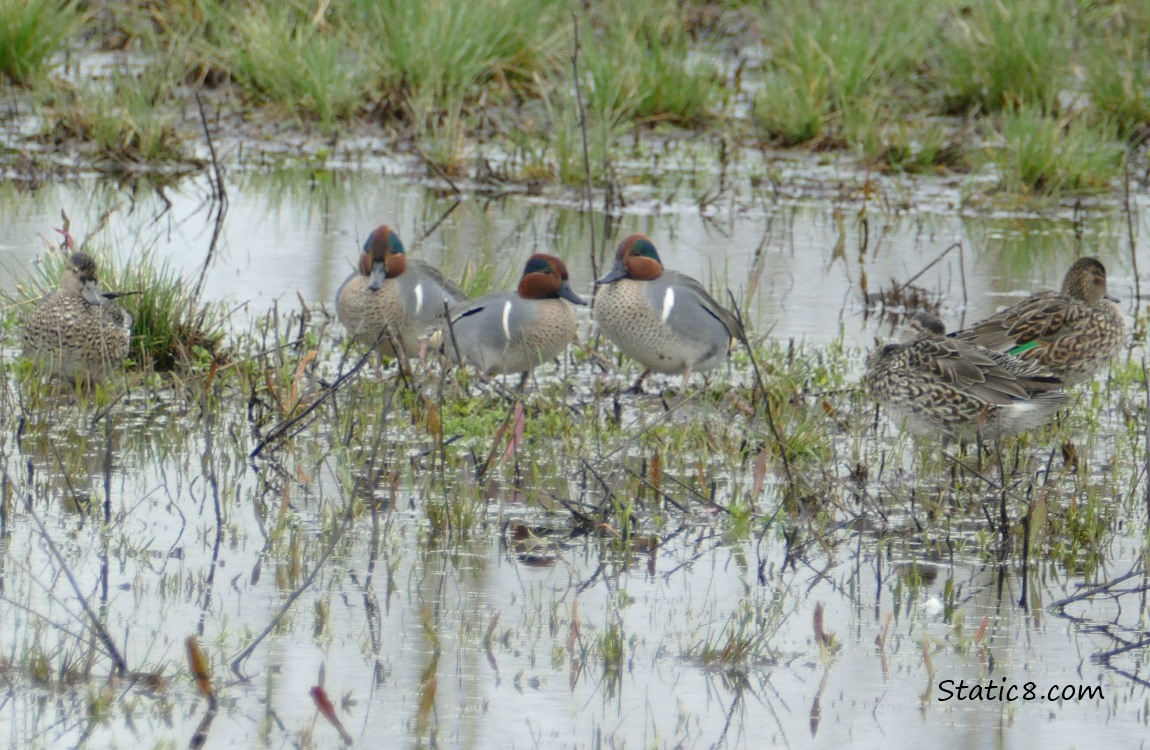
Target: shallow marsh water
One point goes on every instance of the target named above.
(399, 621)
(299, 232)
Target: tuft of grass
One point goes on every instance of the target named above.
(444, 49)
(551, 146)
(612, 644)
(637, 64)
(835, 61)
(1046, 155)
(124, 119)
(32, 33)
(442, 129)
(1115, 62)
(533, 147)
(172, 329)
(792, 108)
(744, 641)
(1117, 73)
(918, 145)
(998, 55)
(862, 128)
(283, 56)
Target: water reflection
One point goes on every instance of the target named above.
(472, 644)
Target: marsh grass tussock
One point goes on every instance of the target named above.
(999, 56)
(831, 65)
(743, 642)
(637, 67)
(128, 119)
(1117, 78)
(32, 34)
(323, 81)
(447, 49)
(1045, 155)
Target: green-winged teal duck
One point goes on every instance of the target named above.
(663, 319)
(389, 292)
(77, 333)
(1074, 333)
(516, 331)
(944, 387)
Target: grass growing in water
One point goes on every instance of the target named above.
(1118, 81)
(462, 85)
(637, 66)
(1046, 155)
(999, 55)
(32, 33)
(283, 56)
(128, 119)
(447, 49)
(832, 62)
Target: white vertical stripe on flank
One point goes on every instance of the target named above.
(668, 303)
(507, 319)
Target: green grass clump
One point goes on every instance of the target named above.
(998, 55)
(792, 108)
(123, 119)
(1118, 82)
(172, 328)
(280, 55)
(834, 62)
(744, 641)
(443, 49)
(32, 32)
(1046, 155)
(434, 60)
(922, 145)
(550, 145)
(636, 64)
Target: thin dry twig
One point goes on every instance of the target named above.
(220, 197)
(762, 388)
(583, 133)
(1131, 233)
(1146, 433)
(932, 264)
(1139, 569)
(441, 219)
(239, 659)
(284, 427)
